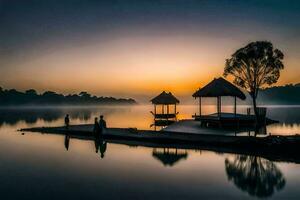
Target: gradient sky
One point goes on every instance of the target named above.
(137, 48)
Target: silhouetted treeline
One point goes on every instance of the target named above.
(31, 97)
(288, 94)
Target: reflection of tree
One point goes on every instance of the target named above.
(257, 176)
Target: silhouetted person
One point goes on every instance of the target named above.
(96, 127)
(102, 124)
(67, 121)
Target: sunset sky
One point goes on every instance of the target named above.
(137, 48)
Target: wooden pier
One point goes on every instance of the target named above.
(275, 148)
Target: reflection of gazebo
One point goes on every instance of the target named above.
(165, 100)
(217, 88)
(167, 157)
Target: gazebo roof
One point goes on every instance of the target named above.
(165, 98)
(219, 87)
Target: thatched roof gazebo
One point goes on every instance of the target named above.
(165, 99)
(217, 88)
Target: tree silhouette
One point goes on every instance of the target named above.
(31, 92)
(31, 97)
(84, 95)
(253, 66)
(257, 176)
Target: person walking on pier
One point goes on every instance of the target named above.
(67, 121)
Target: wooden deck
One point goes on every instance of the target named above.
(280, 148)
(193, 126)
(229, 119)
(164, 116)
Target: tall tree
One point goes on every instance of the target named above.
(254, 66)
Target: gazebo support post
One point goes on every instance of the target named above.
(175, 112)
(219, 106)
(154, 109)
(167, 111)
(200, 106)
(163, 109)
(175, 108)
(235, 106)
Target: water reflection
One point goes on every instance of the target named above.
(169, 157)
(135, 116)
(32, 160)
(285, 114)
(100, 146)
(67, 141)
(32, 115)
(256, 176)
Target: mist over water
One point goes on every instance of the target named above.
(138, 116)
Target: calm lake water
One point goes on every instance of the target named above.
(38, 166)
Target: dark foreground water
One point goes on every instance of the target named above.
(39, 166)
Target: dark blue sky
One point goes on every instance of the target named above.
(26, 23)
(35, 33)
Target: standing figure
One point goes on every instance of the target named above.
(102, 124)
(96, 127)
(67, 121)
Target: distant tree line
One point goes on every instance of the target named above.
(287, 94)
(31, 97)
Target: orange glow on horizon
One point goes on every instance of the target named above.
(128, 66)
